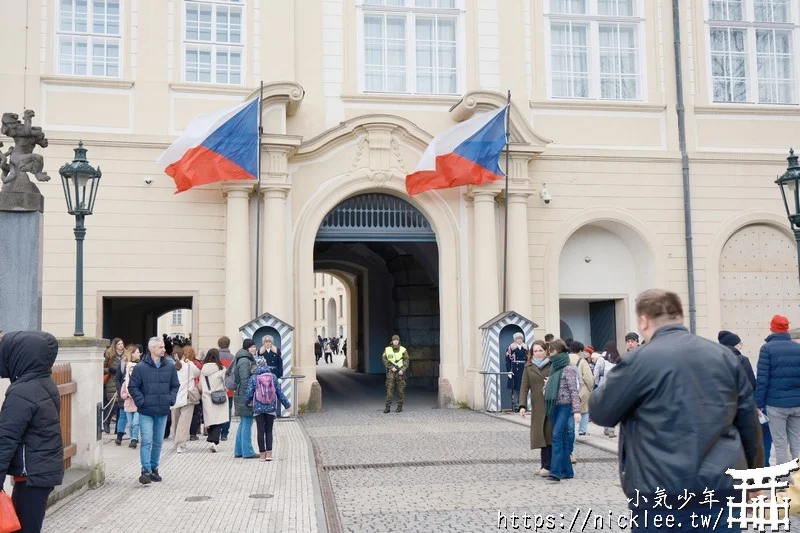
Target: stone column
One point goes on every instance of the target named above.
(85, 356)
(238, 302)
(486, 289)
(274, 281)
(519, 264)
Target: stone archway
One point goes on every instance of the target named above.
(443, 223)
(757, 280)
(713, 265)
(588, 280)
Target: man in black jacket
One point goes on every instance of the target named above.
(31, 448)
(154, 388)
(734, 343)
(687, 412)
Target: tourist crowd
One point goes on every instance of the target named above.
(155, 396)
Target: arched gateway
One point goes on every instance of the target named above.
(388, 248)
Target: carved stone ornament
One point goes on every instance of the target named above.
(18, 192)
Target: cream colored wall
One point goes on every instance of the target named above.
(607, 160)
(331, 287)
(184, 329)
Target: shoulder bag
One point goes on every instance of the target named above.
(218, 396)
(192, 392)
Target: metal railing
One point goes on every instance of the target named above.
(294, 408)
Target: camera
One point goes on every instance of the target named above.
(545, 194)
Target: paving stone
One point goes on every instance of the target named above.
(123, 505)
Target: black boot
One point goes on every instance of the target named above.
(144, 479)
(118, 440)
(154, 475)
(399, 408)
(388, 408)
(133, 443)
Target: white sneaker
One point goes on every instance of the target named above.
(213, 448)
(180, 448)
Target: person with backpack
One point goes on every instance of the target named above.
(237, 377)
(31, 449)
(128, 413)
(215, 399)
(262, 395)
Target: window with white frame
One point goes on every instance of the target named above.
(595, 50)
(213, 41)
(89, 38)
(177, 317)
(411, 46)
(752, 51)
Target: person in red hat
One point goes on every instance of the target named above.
(778, 388)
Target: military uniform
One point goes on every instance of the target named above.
(398, 359)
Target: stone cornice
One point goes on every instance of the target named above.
(521, 130)
(287, 92)
(594, 105)
(208, 88)
(748, 110)
(418, 99)
(87, 81)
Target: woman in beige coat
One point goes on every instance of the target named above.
(212, 379)
(536, 370)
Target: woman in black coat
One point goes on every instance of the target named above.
(31, 448)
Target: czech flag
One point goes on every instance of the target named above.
(214, 147)
(466, 154)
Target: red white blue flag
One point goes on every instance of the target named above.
(466, 154)
(215, 147)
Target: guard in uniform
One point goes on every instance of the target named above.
(395, 359)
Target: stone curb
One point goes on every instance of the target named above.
(319, 508)
(588, 440)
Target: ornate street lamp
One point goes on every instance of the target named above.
(80, 181)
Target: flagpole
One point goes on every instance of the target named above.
(505, 236)
(258, 207)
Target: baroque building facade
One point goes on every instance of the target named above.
(354, 91)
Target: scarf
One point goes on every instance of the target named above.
(557, 364)
(540, 362)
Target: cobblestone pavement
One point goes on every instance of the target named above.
(454, 470)
(244, 495)
(450, 470)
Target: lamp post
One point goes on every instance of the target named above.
(789, 184)
(80, 181)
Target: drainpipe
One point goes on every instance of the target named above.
(687, 206)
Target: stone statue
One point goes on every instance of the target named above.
(18, 161)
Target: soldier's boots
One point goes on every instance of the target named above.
(399, 408)
(388, 408)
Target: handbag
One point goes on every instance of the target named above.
(8, 516)
(192, 392)
(218, 396)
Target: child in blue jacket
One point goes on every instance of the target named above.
(262, 394)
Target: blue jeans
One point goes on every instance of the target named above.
(152, 428)
(226, 427)
(244, 438)
(563, 442)
(584, 427)
(122, 420)
(767, 439)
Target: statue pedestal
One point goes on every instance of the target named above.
(22, 202)
(20, 269)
